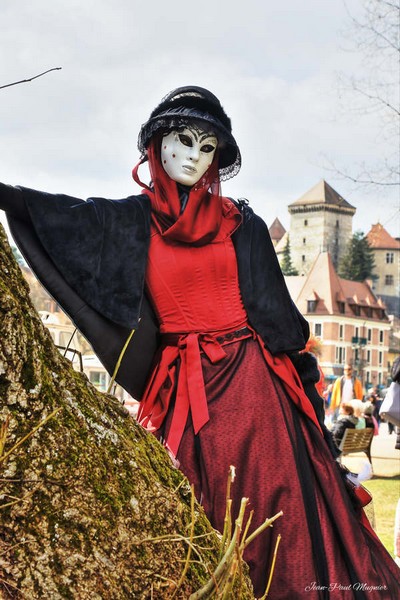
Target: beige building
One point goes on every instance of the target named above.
(348, 318)
(320, 221)
(387, 267)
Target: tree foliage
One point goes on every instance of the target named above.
(358, 262)
(287, 265)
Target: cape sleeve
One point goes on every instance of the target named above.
(91, 257)
(98, 245)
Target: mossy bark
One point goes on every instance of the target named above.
(80, 497)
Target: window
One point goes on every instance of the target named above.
(381, 337)
(337, 223)
(368, 376)
(380, 358)
(368, 356)
(369, 335)
(311, 306)
(356, 332)
(318, 329)
(304, 241)
(356, 309)
(303, 258)
(389, 257)
(388, 279)
(340, 355)
(305, 222)
(341, 307)
(341, 332)
(379, 378)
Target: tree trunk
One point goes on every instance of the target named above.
(82, 495)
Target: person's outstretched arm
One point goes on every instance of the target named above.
(12, 201)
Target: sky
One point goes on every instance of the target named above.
(277, 67)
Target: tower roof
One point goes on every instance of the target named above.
(378, 237)
(323, 194)
(277, 230)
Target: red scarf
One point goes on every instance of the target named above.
(201, 220)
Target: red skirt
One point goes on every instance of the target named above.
(282, 463)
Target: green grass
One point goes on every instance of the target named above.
(385, 492)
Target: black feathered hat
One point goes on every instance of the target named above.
(192, 103)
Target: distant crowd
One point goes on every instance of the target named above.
(347, 407)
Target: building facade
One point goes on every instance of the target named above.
(386, 283)
(350, 320)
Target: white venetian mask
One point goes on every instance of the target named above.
(186, 155)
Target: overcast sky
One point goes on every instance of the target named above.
(274, 65)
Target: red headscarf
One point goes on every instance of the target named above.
(201, 220)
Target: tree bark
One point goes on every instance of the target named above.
(82, 494)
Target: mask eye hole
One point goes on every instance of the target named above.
(207, 148)
(185, 140)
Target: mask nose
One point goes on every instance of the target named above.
(194, 153)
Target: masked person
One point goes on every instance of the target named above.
(214, 358)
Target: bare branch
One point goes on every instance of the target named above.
(373, 88)
(366, 181)
(378, 28)
(376, 97)
(386, 176)
(31, 79)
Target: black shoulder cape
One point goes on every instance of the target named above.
(91, 257)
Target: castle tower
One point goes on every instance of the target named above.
(320, 221)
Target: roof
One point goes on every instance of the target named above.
(280, 246)
(378, 237)
(359, 292)
(323, 194)
(277, 230)
(324, 285)
(294, 284)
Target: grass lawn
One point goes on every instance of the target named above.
(385, 492)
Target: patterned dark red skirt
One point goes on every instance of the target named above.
(282, 463)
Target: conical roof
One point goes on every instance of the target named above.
(322, 193)
(276, 231)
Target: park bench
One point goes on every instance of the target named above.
(357, 440)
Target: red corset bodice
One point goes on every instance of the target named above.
(194, 289)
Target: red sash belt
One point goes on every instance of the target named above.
(190, 390)
(190, 393)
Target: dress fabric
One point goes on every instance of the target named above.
(218, 399)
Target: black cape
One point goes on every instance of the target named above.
(91, 257)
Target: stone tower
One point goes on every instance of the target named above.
(320, 221)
